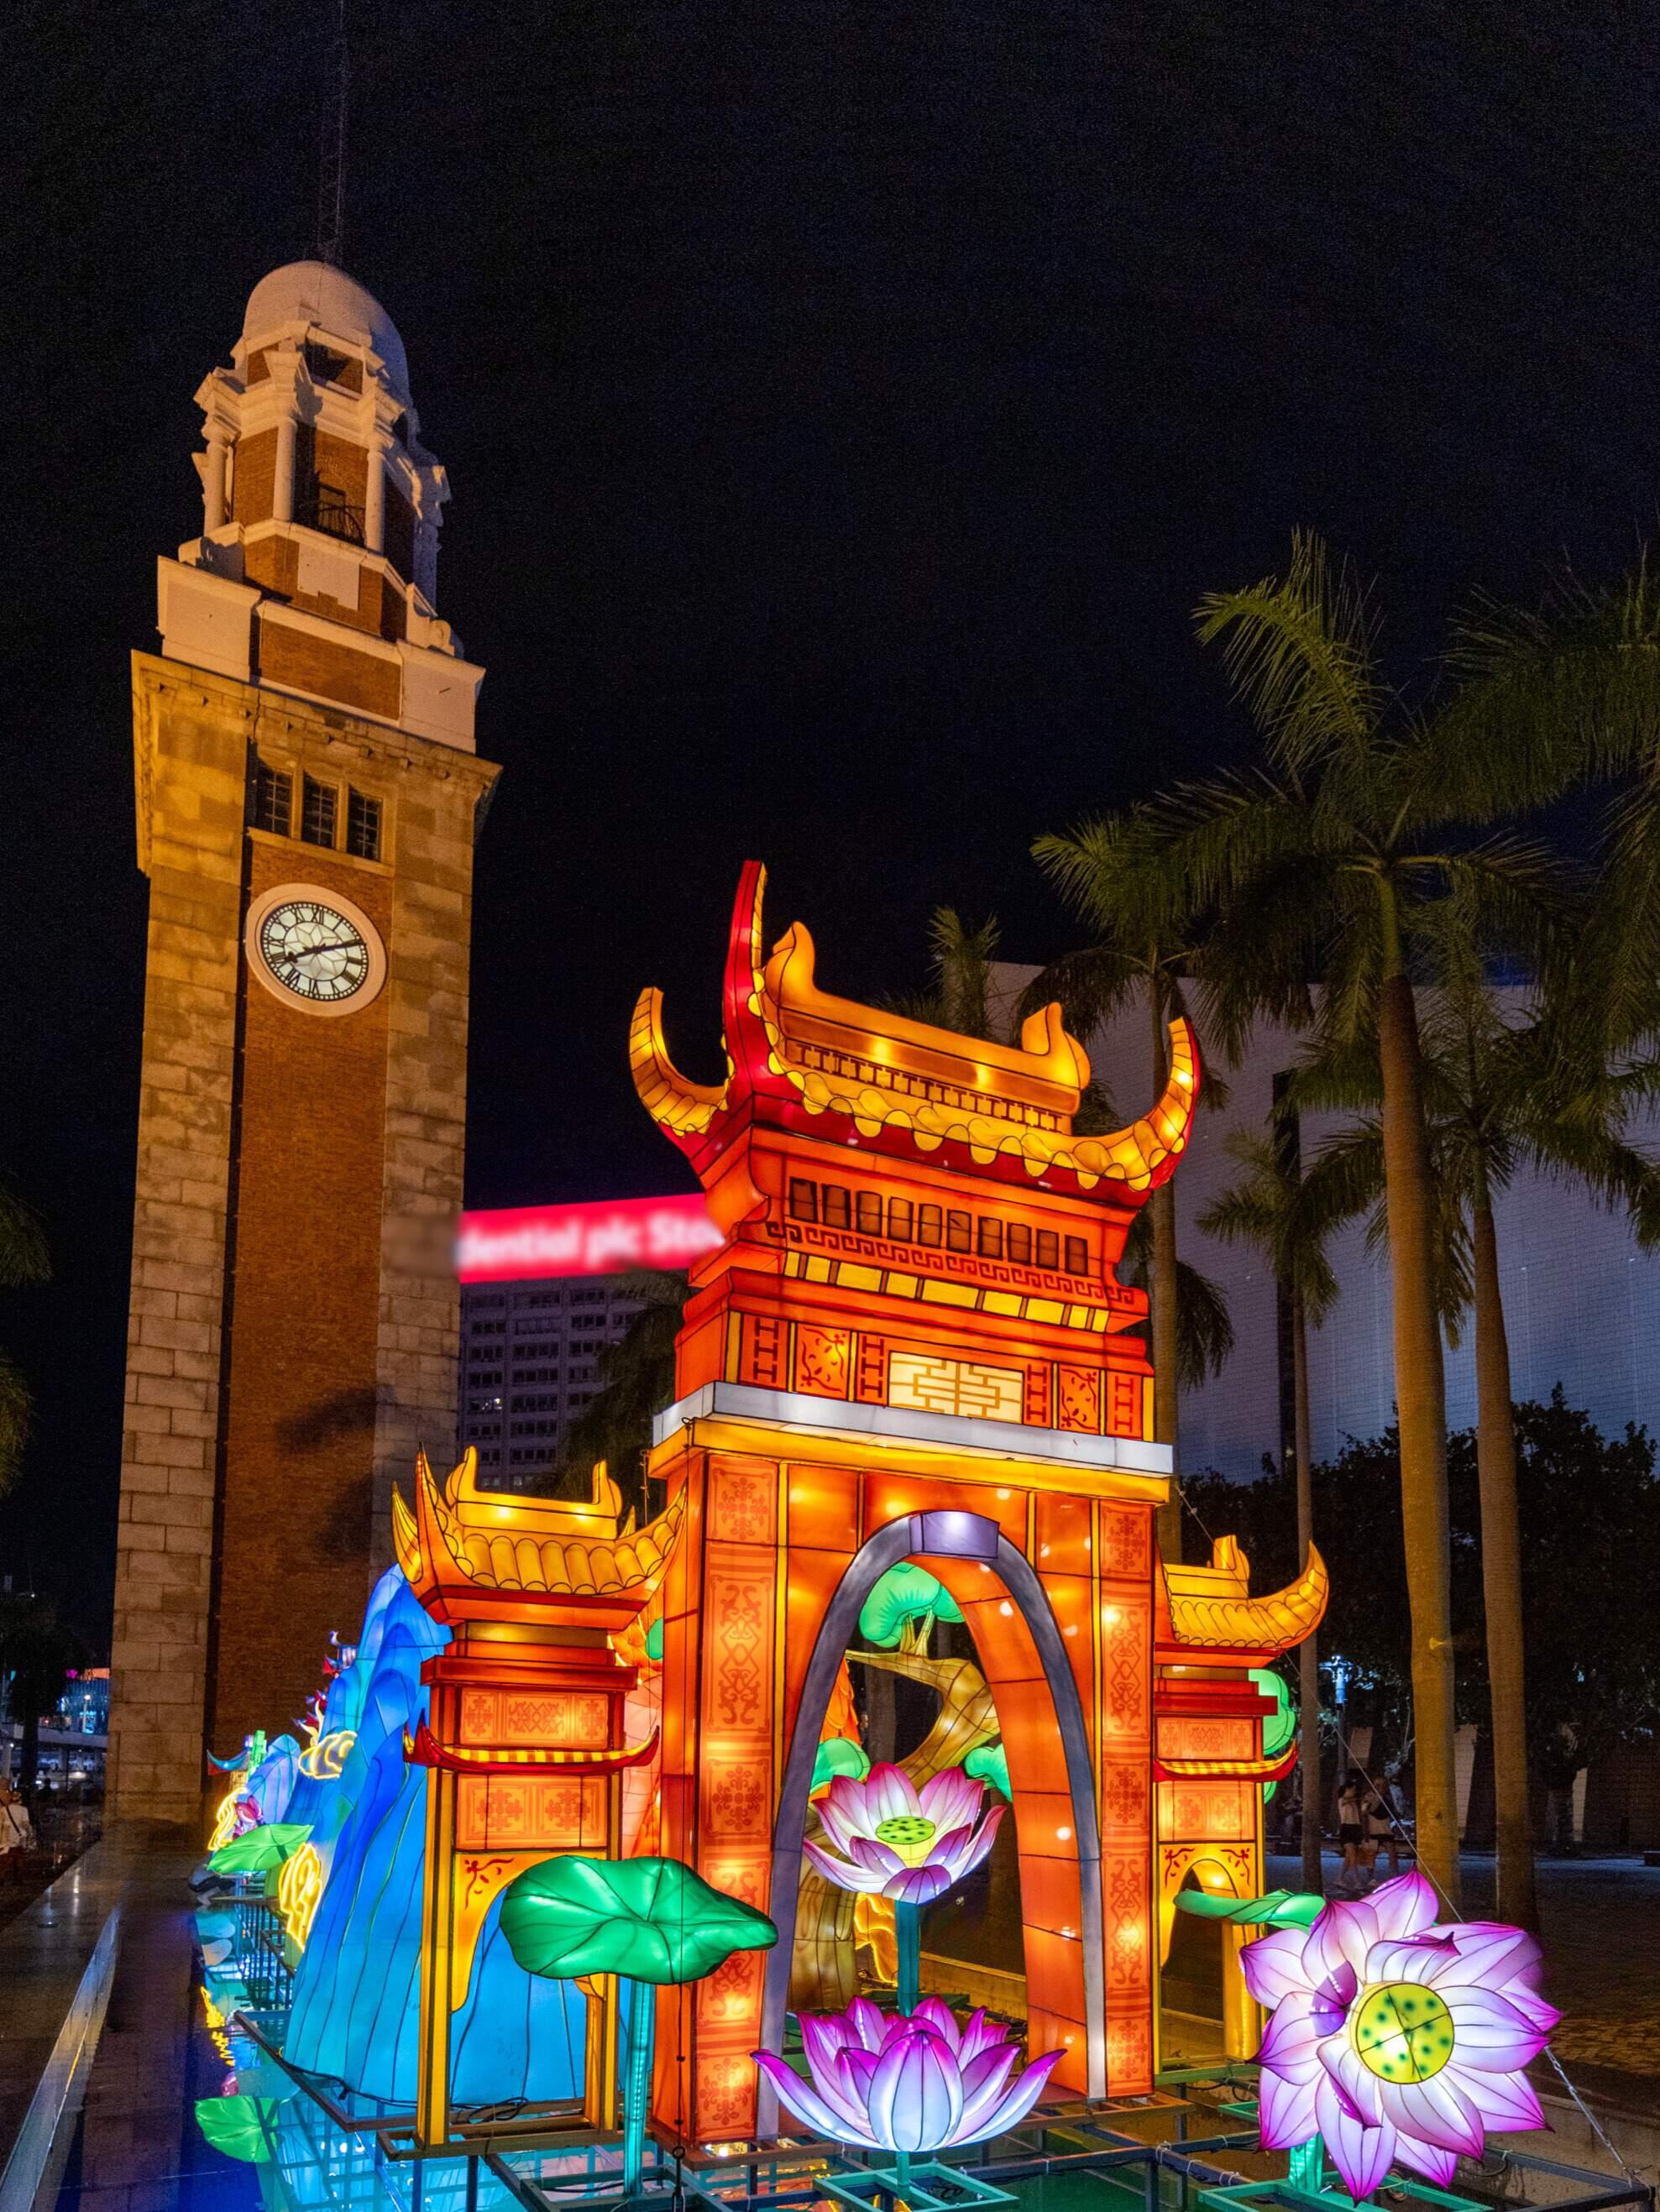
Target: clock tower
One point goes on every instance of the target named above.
(308, 795)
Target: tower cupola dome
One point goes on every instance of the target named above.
(316, 570)
(326, 299)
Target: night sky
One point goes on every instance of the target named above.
(845, 405)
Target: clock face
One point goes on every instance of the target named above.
(316, 950)
(313, 950)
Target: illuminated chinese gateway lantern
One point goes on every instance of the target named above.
(526, 1748)
(913, 1345)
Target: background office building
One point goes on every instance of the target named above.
(544, 1291)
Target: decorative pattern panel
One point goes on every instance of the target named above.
(743, 1501)
(563, 1719)
(758, 1360)
(1183, 1737)
(737, 1787)
(870, 1376)
(1078, 1400)
(543, 1812)
(1124, 1406)
(1126, 1542)
(962, 1387)
(1037, 1397)
(823, 1358)
(1207, 1812)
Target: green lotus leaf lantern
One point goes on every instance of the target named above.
(1280, 1730)
(990, 1763)
(1278, 1908)
(1281, 1727)
(838, 1754)
(652, 1922)
(905, 1597)
(261, 1849)
(240, 2127)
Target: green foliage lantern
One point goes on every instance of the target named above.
(261, 1849)
(905, 1595)
(839, 1754)
(652, 1922)
(240, 2126)
(1280, 1730)
(990, 1763)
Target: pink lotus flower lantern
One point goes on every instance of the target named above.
(907, 2083)
(1395, 2037)
(892, 1839)
(896, 1840)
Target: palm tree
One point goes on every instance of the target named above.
(1501, 1094)
(1565, 693)
(36, 1653)
(1111, 873)
(636, 1379)
(1269, 1207)
(24, 1259)
(1192, 1335)
(1327, 862)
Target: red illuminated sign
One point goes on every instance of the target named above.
(516, 1242)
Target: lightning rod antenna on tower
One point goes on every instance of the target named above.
(331, 166)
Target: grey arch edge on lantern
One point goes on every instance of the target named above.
(950, 1535)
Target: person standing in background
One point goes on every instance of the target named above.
(1351, 1833)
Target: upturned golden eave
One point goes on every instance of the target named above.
(1228, 1619)
(548, 1546)
(930, 1084)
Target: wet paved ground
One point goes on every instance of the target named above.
(1601, 1928)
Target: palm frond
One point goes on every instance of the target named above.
(1268, 1209)
(1204, 1329)
(962, 961)
(17, 1409)
(1299, 653)
(1092, 986)
(25, 1255)
(1548, 697)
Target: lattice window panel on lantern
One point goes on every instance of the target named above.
(963, 1387)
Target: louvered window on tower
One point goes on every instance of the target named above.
(317, 813)
(273, 799)
(362, 826)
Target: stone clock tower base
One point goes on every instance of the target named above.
(294, 1319)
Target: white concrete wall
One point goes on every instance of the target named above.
(1582, 1303)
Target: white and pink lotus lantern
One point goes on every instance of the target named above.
(895, 1840)
(909, 2083)
(1396, 2037)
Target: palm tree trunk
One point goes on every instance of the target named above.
(1308, 1656)
(1501, 1578)
(1421, 1411)
(1161, 1277)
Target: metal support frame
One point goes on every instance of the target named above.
(793, 2179)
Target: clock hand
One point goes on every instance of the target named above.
(306, 951)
